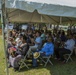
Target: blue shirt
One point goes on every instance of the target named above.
(69, 44)
(39, 41)
(48, 48)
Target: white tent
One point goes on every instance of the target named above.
(43, 7)
(51, 11)
(46, 8)
(22, 16)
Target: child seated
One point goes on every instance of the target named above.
(14, 59)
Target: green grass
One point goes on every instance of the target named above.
(57, 69)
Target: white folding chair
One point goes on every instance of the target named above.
(69, 56)
(48, 60)
(22, 63)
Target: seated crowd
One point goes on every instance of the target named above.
(31, 41)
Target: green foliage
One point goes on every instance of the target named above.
(74, 24)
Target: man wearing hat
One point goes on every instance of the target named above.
(47, 50)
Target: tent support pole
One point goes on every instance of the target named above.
(41, 18)
(57, 26)
(3, 19)
(60, 20)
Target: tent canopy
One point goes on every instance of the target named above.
(43, 7)
(43, 11)
(22, 16)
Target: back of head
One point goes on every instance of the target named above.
(70, 36)
(50, 39)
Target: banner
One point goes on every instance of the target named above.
(24, 27)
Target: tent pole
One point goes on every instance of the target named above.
(3, 26)
(57, 26)
(60, 20)
(41, 18)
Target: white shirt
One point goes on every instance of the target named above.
(12, 60)
(17, 39)
(69, 44)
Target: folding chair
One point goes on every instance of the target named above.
(69, 56)
(22, 63)
(34, 49)
(48, 60)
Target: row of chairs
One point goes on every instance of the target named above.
(22, 63)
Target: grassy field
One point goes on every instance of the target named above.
(57, 69)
